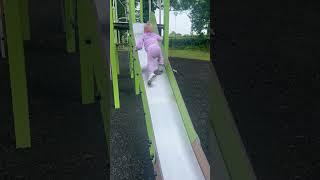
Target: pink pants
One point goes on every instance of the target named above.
(154, 57)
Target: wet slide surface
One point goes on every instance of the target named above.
(177, 159)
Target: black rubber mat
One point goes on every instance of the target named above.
(68, 140)
(130, 157)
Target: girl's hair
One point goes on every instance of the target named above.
(148, 24)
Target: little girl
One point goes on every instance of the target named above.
(150, 40)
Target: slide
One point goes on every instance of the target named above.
(175, 156)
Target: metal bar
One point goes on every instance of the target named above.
(17, 74)
(24, 16)
(125, 25)
(113, 59)
(149, 4)
(131, 57)
(166, 26)
(70, 25)
(132, 19)
(160, 13)
(116, 36)
(86, 35)
(141, 11)
(136, 75)
(132, 10)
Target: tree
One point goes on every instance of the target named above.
(173, 34)
(199, 13)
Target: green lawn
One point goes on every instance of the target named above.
(190, 54)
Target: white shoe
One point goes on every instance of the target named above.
(151, 78)
(160, 69)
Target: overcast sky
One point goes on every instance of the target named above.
(180, 24)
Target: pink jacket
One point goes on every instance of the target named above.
(148, 39)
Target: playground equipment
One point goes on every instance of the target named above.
(92, 23)
(175, 146)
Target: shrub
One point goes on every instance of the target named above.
(189, 42)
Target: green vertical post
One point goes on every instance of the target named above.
(141, 11)
(132, 20)
(137, 75)
(131, 58)
(70, 25)
(86, 37)
(17, 74)
(132, 11)
(116, 41)
(166, 26)
(117, 60)
(25, 21)
(113, 59)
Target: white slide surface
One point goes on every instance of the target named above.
(175, 153)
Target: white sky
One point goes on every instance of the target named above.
(180, 24)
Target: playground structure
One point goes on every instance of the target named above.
(91, 21)
(95, 23)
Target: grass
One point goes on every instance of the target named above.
(190, 54)
(195, 54)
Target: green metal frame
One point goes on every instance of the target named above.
(86, 47)
(94, 59)
(25, 21)
(115, 39)
(114, 62)
(136, 65)
(16, 59)
(139, 87)
(166, 4)
(174, 85)
(131, 58)
(141, 11)
(70, 25)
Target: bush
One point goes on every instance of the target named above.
(189, 42)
